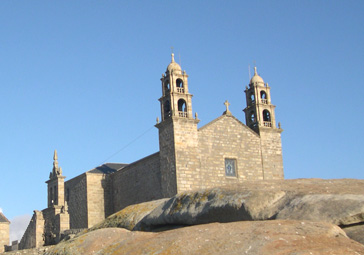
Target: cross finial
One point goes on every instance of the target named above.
(56, 170)
(55, 160)
(227, 105)
(172, 54)
(227, 112)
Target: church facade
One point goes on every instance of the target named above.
(223, 152)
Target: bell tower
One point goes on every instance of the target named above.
(259, 112)
(55, 184)
(178, 139)
(175, 100)
(260, 117)
(56, 217)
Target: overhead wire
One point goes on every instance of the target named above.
(127, 145)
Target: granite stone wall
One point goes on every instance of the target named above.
(4, 235)
(136, 183)
(96, 198)
(167, 157)
(34, 234)
(76, 197)
(227, 138)
(187, 154)
(272, 153)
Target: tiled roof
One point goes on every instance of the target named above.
(107, 168)
(3, 219)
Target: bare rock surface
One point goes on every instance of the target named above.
(244, 237)
(355, 232)
(130, 216)
(341, 209)
(340, 202)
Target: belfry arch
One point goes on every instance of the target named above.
(182, 108)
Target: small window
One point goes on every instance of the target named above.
(230, 167)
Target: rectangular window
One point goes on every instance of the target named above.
(230, 167)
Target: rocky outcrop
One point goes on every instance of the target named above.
(340, 202)
(130, 216)
(305, 216)
(226, 205)
(34, 251)
(355, 232)
(245, 237)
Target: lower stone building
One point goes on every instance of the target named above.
(4, 232)
(223, 152)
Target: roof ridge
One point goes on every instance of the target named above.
(3, 218)
(227, 116)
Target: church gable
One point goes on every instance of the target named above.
(229, 152)
(216, 123)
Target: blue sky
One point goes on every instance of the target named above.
(83, 77)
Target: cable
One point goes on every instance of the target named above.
(127, 145)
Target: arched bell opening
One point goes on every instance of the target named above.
(252, 98)
(252, 117)
(180, 87)
(263, 97)
(167, 109)
(167, 86)
(182, 108)
(267, 119)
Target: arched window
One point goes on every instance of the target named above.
(51, 196)
(167, 86)
(263, 96)
(252, 117)
(252, 97)
(182, 108)
(167, 109)
(266, 115)
(179, 84)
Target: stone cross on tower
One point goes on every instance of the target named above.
(55, 184)
(227, 112)
(56, 171)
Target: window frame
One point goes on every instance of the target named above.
(235, 172)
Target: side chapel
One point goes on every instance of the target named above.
(224, 151)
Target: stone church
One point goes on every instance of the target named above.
(223, 152)
(4, 232)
